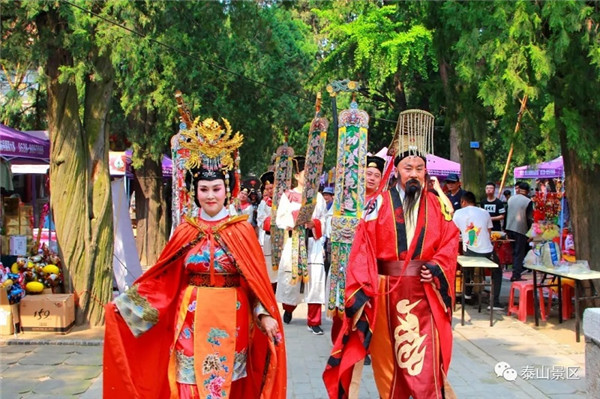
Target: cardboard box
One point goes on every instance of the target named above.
(11, 207)
(48, 312)
(25, 231)
(25, 215)
(12, 230)
(9, 314)
(9, 318)
(4, 245)
(26, 211)
(18, 245)
(10, 221)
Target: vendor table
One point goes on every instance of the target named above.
(577, 276)
(479, 263)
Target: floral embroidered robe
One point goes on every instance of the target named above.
(187, 328)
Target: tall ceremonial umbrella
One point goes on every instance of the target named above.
(350, 190)
(283, 181)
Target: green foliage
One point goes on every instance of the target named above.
(239, 61)
(259, 65)
(544, 50)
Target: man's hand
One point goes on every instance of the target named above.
(426, 276)
(436, 183)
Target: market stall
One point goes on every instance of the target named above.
(24, 266)
(23, 153)
(549, 205)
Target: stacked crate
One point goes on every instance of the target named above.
(17, 222)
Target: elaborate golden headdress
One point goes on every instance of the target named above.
(211, 146)
(414, 134)
(213, 149)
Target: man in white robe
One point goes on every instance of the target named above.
(301, 275)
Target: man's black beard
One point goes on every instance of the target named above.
(411, 198)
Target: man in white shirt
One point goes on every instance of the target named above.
(475, 225)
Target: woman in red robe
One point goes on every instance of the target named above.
(203, 321)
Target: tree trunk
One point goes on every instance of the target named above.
(465, 126)
(454, 153)
(81, 198)
(581, 186)
(399, 93)
(472, 160)
(450, 121)
(151, 213)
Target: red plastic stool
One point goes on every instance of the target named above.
(525, 305)
(568, 292)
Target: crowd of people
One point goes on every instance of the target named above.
(207, 316)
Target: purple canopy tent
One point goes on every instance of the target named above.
(20, 147)
(549, 169)
(441, 167)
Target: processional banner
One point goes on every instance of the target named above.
(350, 190)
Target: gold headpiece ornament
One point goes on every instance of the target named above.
(212, 149)
(414, 133)
(211, 146)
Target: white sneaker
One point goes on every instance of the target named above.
(467, 296)
(496, 308)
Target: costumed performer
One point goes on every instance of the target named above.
(399, 292)
(243, 206)
(203, 321)
(263, 218)
(301, 269)
(373, 174)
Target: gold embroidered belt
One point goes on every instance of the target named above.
(394, 267)
(221, 280)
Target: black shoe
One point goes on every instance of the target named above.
(368, 360)
(287, 317)
(497, 307)
(317, 330)
(517, 279)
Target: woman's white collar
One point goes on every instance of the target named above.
(223, 213)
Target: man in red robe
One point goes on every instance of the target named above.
(399, 293)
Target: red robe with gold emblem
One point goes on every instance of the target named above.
(404, 323)
(142, 366)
